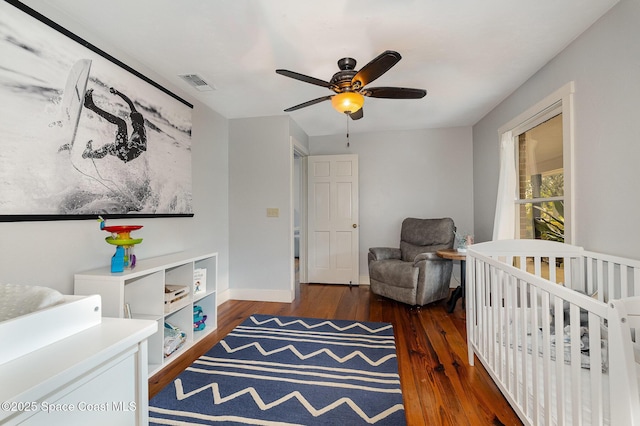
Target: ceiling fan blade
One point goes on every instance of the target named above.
(304, 78)
(394, 93)
(309, 103)
(375, 68)
(357, 115)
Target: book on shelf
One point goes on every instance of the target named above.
(199, 281)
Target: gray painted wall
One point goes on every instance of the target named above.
(604, 62)
(261, 247)
(413, 173)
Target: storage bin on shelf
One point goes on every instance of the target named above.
(175, 296)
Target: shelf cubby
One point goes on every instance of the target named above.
(142, 289)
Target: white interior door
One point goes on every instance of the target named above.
(333, 219)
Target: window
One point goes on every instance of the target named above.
(535, 199)
(540, 170)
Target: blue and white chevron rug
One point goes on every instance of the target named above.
(289, 371)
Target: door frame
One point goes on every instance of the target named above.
(300, 150)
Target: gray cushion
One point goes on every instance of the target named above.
(424, 236)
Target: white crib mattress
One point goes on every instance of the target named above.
(17, 299)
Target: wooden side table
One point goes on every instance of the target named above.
(459, 292)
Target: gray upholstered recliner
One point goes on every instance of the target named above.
(413, 273)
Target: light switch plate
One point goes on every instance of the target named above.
(273, 212)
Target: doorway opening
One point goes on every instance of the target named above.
(297, 213)
(299, 154)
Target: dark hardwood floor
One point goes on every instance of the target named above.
(438, 385)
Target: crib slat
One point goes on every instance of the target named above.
(568, 272)
(600, 280)
(579, 270)
(512, 333)
(560, 366)
(610, 280)
(595, 373)
(481, 324)
(546, 360)
(552, 269)
(493, 331)
(522, 338)
(591, 286)
(484, 319)
(574, 339)
(499, 313)
(508, 301)
(471, 308)
(532, 322)
(496, 320)
(514, 339)
(489, 323)
(481, 310)
(485, 316)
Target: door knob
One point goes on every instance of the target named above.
(354, 226)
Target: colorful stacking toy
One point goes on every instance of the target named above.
(121, 238)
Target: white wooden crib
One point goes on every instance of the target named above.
(555, 327)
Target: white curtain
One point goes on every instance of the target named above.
(504, 223)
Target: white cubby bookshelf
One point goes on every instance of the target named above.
(142, 288)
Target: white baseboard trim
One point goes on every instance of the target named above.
(364, 280)
(223, 296)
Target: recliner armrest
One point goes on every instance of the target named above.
(384, 253)
(426, 256)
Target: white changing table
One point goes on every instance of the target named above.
(97, 376)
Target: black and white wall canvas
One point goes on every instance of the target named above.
(81, 133)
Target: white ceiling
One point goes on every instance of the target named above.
(468, 54)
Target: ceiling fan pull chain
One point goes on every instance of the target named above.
(347, 115)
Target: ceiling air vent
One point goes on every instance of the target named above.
(196, 81)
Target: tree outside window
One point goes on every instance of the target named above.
(541, 181)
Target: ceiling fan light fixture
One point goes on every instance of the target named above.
(347, 102)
